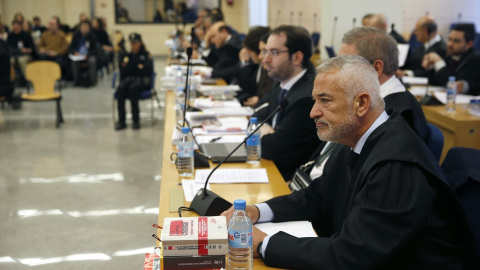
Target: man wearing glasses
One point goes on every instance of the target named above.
(289, 138)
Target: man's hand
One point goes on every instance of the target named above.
(252, 211)
(200, 73)
(460, 86)
(258, 237)
(430, 59)
(252, 101)
(265, 130)
(400, 73)
(243, 55)
(52, 53)
(43, 50)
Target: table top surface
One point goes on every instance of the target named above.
(252, 193)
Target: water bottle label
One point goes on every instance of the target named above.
(254, 140)
(240, 239)
(185, 151)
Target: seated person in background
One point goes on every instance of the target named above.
(21, 46)
(6, 87)
(461, 61)
(224, 58)
(380, 21)
(53, 45)
(106, 52)
(380, 49)
(252, 77)
(81, 18)
(289, 138)
(37, 25)
(84, 43)
(366, 19)
(426, 33)
(382, 202)
(136, 70)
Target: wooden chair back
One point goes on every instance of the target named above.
(43, 75)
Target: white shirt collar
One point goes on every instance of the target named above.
(227, 39)
(293, 80)
(380, 120)
(391, 86)
(432, 42)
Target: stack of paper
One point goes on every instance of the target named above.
(205, 103)
(228, 176)
(218, 89)
(460, 99)
(227, 125)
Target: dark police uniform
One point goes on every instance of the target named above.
(135, 76)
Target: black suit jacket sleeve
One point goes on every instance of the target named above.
(385, 216)
(228, 64)
(467, 69)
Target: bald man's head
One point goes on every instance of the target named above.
(379, 21)
(425, 29)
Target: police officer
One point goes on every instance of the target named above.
(136, 69)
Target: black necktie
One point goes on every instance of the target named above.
(277, 119)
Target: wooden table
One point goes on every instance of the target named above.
(252, 193)
(459, 128)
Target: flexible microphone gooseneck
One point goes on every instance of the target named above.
(206, 202)
(185, 90)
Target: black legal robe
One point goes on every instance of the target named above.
(386, 208)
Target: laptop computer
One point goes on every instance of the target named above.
(218, 151)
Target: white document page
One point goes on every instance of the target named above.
(232, 176)
(415, 80)
(402, 53)
(190, 188)
(460, 99)
(420, 90)
(295, 228)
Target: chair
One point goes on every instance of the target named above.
(43, 75)
(435, 141)
(315, 39)
(150, 94)
(330, 51)
(461, 166)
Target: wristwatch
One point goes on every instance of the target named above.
(259, 249)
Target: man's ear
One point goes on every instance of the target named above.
(378, 66)
(297, 58)
(362, 104)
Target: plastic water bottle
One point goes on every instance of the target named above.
(185, 153)
(240, 238)
(180, 94)
(254, 147)
(192, 91)
(451, 93)
(179, 112)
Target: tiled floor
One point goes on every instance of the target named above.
(82, 196)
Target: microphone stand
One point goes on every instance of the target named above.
(186, 91)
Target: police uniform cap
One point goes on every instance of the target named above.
(135, 37)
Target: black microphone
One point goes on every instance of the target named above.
(206, 202)
(189, 55)
(334, 29)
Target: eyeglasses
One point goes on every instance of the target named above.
(273, 52)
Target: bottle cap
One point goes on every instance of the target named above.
(239, 204)
(185, 130)
(451, 78)
(179, 68)
(253, 120)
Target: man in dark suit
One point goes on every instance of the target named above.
(224, 57)
(381, 51)
(462, 61)
(382, 202)
(380, 22)
(289, 138)
(84, 45)
(426, 33)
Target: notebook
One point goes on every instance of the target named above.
(218, 151)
